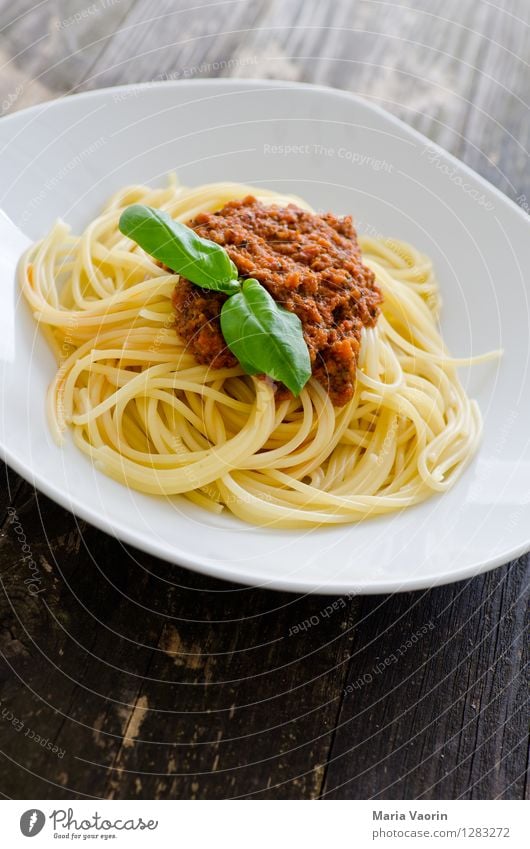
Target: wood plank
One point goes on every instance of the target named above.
(154, 681)
(435, 704)
(172, 42)
(497, 133)
(46, 49)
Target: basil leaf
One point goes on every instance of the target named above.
(180, 248)
(265, 337)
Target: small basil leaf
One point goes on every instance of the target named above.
(265, 337)
(180, 248)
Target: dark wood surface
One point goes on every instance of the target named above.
(152, 681)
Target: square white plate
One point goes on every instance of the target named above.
(65, 157)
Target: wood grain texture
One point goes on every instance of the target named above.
(155, 681)
(446, 713)
(48, 48)
(151, 681)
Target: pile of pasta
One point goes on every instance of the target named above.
(140, 406)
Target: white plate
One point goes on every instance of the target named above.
(63, 158)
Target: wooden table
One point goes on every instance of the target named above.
(152, 681)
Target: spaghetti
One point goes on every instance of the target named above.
(150, 416)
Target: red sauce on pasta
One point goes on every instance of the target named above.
(311, 264)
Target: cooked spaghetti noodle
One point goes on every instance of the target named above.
(150, 416)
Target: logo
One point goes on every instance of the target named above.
(32, 822)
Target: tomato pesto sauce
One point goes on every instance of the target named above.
(309, 263)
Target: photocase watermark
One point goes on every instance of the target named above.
(34, 580)
(388, 443)
(523, 202)
(187, 72)
(485, 471)
(87, 12)
(52, 182)
(516, 515)
(325, 613)
(182, 452)
(32, 822)
(66, 824)
(505, 430)
(10, 99)
(351, 156)
(435, 158)
(68, 345)
(20, 726)
(167, 327)
(389, 660)
(66, 820)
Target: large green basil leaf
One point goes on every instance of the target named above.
(180, 248)
(265, 337)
